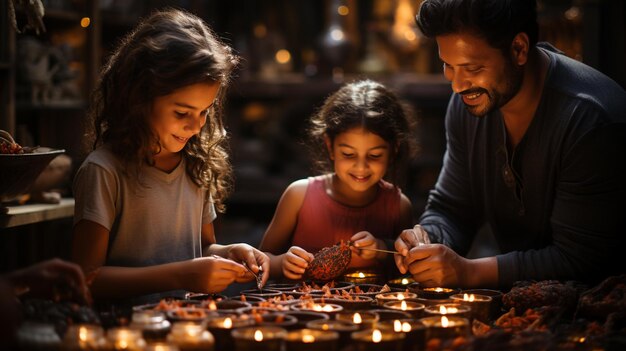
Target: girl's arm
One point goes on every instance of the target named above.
(278, 235)
(90, 245)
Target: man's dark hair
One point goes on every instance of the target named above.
(496, 21)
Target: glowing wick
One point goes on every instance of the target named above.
(357, 318)
(469, 298)
(444, 321)
(228, 323)
(403, 305)
(258, 335)
(308, 338)
(361, 275)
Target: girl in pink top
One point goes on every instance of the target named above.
(363, 135)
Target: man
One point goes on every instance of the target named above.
(536, 149)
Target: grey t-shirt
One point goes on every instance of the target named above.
(156, 221)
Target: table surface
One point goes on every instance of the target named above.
(35, 213)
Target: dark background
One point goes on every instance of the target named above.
(269, 102)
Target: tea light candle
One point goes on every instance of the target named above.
(123, 338)
(394, 296)
(259, 338)
(153, 324)
(344, 329)
(402, 283)
(329, 308)
(363, 319)
(449, 309)
(414, 331)
(414, 308)
(495, 307)
(361, 278)
(377, 340)
(190, 336)
(222, 326)
(437, 293)
(445, 327)
(84, 337)
(480, 305)
(312, 340)
(162, 346)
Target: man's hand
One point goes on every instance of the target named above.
(434, 265)
(408, 239)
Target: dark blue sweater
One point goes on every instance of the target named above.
(557, 203)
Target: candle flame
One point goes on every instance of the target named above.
(444, 321)
(397, 326)
(361, 275)
(357, 318)
(453, 309)
(405, 281)
(469, 298)
(228, 323)
(403, 305)
(258, 335)
(406, 327)
(82, 334)
(438, 289)
(443, 310)
(377, 336)
(308, 338)
(400, 296)
(327, 308)
(325, 326)
(212, 305)
(121, 344)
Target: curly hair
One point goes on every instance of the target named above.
(370, 105)
(497, 21)
(167, 51)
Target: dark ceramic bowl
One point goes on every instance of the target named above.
(18, 172)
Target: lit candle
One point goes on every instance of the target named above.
(437, 293)
(189, 336)
(123, 338)
(311, 340)
(495, 307)
(343, 328)
(414, 308)
(445, 327)
(259, 338)
(449, 309)
(222, 326)
(394, 296)
(312, 306)
(84, 337)
(363, 319)
(414, 331)
(402, 283)
(480, 305)
(377, 340)
(361, 278)
(152, 323)
(162, 346)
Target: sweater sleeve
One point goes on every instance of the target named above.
(450, 217)
(588, 218)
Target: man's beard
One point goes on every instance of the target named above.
(497, 98)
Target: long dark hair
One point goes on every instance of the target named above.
(497, 21)
(375, 108)
(168, 50)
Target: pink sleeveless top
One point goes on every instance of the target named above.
(323, 221)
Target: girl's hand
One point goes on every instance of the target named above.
(362, 240)
(295, 261)
(258, 261)
(211, 274)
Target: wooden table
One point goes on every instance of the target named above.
(35, 213)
